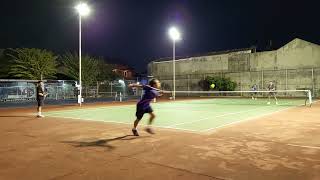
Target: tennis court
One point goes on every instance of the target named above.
(200, 115)
(95, 141)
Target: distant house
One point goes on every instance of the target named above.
(124, 71)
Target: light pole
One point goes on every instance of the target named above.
(83, 10)
(175, 36)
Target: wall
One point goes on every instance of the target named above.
(296, 65)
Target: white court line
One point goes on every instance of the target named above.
(79, 109)
(114, 107)
(253, 118)
(127, 123)
(118, 106)
(167, 127)
(227, 114)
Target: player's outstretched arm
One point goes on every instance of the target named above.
(161, 93)
(159, 90)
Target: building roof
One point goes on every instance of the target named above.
(123, 67)
(253, 49)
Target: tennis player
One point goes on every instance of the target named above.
(151, 91)
(40, 98)
(271, 87)
(254, 88)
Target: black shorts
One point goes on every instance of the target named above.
(272, 93)
(40, 101)
(141, 111)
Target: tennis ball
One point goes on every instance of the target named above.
(212, 86)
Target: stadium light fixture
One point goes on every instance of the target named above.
(83, 9)
(174, 34)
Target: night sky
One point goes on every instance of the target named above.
(135, 31)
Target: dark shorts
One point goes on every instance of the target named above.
(272, 93)
(142, 110)
(40, 101)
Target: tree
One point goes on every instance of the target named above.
(92, 71)
(33, 64)
(5, 63)
(89, 68)
(105, 71)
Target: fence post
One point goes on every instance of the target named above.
(111, 88)
(56, 92)
(312, 79)
(240, 83)
(188, 82)
(63, 90)
(97, 91)
(286, 79)
(262, 80)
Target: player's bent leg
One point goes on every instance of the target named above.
(139, 115)
(134, 129)
(152, 117)
(275, 97)
(149, 129)
(39, 115)
(136, 122)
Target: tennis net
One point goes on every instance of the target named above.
(278, 97)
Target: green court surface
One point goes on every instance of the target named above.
(191, 115)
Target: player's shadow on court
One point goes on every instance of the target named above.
(101, 142)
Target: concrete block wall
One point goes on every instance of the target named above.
(290, 67)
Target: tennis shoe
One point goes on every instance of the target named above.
(149, 130)
(135, 132)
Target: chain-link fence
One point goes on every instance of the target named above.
(285, 79)
(19, 90)
(24, 90)
(113, 89)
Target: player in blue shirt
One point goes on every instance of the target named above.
(151, 91)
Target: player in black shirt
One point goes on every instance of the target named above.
(40, 98)
(272, 87)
